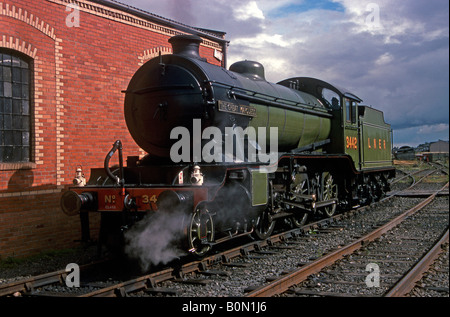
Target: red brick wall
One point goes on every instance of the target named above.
(79, 73)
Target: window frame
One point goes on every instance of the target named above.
(17, 105)
(351, 113)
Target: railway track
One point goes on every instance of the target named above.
(368, 248)
(30, 284)
(227, 270)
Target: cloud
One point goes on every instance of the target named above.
(438, 128)
(413, 136)
(262, 40)
(248, 11)
(384, 59)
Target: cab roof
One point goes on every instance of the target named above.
(315, 86)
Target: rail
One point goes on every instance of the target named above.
(407, 283)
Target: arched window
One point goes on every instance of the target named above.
(15, 107)
(332, 98)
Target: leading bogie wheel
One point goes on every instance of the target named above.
(264, 225)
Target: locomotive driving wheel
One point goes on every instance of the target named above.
(300, 217)
(200, 233)
(330, 191)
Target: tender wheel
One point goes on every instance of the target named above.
(377, 187)
(366, 191)
(200, 232)
(264, 226)
(330, 191)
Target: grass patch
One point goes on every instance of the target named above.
(46, 256)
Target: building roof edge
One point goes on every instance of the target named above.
(210, 34)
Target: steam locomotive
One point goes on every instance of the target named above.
(231, 154)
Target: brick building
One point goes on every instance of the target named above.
(63, 66)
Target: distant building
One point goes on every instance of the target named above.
(405, 153)
(423, 147)
(63, 65)
(438, 151)
(439, 147)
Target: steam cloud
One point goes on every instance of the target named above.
(155, 239)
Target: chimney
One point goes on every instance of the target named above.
(186, 45)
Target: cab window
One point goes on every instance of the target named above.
(350, 110)
(331, 98)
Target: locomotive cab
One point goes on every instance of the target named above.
(344, 107)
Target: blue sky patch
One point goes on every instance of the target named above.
(307, 5)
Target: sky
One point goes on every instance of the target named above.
(392, 54)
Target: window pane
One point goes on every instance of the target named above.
(7, 73)
(17, 123)
(7, 154)
(7, 122)
(26, 154)
(24, 64)
(9, 138)
(6, 59)
(17, 138)
(7, 89)
(16, 75)
(331, 98)
(17, 106)
(348, 109)
(25, 74)
(25, 92)
(16, 90)
(25, 123)
(7, 104)
(15, 61)
(25, 138)
(25, 107)
(17, 153)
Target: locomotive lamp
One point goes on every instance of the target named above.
(79, 179)
(197, 176)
